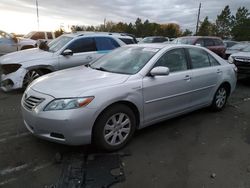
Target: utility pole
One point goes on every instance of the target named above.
(37, 14)
(198, 19)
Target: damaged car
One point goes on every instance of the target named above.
(106, 101)
(19, 69)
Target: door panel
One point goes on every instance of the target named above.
(165, 95)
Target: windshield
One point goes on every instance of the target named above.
(125, 60)
(246, 49)
(184, 41)
(238, 46)
(58, 43)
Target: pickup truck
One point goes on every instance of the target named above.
(10, 43)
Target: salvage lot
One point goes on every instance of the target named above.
(182, 152)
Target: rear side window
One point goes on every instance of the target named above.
(200, 42)
(213, 61)
(82, 45)
(175, 60)
(38, 35)
(218, 42)
(199, 58)
(105, 43)
(209, 42)
(159, 39)
(49, 35)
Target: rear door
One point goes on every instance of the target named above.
(206, 73)
(84, 51)
(167, 95)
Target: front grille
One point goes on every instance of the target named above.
(31, 102)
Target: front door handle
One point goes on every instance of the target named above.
(89, 57)
(187, 77)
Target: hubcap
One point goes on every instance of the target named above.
(30, 77)
(117, 129)
(221, 97)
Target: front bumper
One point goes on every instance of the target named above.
(13, 80)
(243, 68)
(71, 127)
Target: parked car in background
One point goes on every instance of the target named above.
(105, 102)
(21, 68)
(10, 43)
(236, 48)
(230, 43)
(154, 39)
(214, 44)
(40, 35)
(242, 61)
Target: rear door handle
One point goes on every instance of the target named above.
(187, 77)
(219, 71)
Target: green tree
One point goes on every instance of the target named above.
(187, 32)
(224, 23)
(207, 28)
(241, 30)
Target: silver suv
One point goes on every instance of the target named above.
(21, 68)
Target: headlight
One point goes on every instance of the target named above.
(66, 104)
(231, 59)
(9, 68)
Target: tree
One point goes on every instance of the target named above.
(59, 32)
(187, 32)
(241, 30)
(207, 28)
(224, 23)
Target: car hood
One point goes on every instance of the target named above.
(230, 51)
(241, 54)
(24, 56)
(75, 81)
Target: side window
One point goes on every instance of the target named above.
(105, 43)
(209, 42)
(218, 42)
(127, 41)
(213, 61)
(199, 58)
(200, 42)
(82, 45)
(38, 35)
(175, 60)
(159, 40)
(49, 35)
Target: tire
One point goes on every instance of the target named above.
(30, 77)
(220, 98)
(114, 128)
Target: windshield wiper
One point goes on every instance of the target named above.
(98, 68)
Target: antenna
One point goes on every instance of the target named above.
(198, 19)
(37, 14)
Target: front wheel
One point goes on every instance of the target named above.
(220, 98)
(114, 128)
(30, 77)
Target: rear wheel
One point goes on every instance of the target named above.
(114, 128)
(30, 77)
(220, 98)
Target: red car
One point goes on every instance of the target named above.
(214, 44)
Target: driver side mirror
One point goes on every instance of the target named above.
(67, 52)
(159, 71)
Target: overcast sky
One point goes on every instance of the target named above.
(20, 15)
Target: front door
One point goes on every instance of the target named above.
(167, 95)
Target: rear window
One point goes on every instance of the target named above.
(218, 42)
(159, 39)
(184, 41)
(38, 35)
(209, 42)
(127, 41)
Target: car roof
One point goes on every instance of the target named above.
(196, 37)
(161, 45)
(93, 33)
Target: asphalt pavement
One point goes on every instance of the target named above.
(202, 149)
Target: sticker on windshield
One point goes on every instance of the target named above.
(150, 49)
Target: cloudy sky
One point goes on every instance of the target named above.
(19, 16)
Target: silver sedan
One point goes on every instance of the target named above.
(132, 87)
